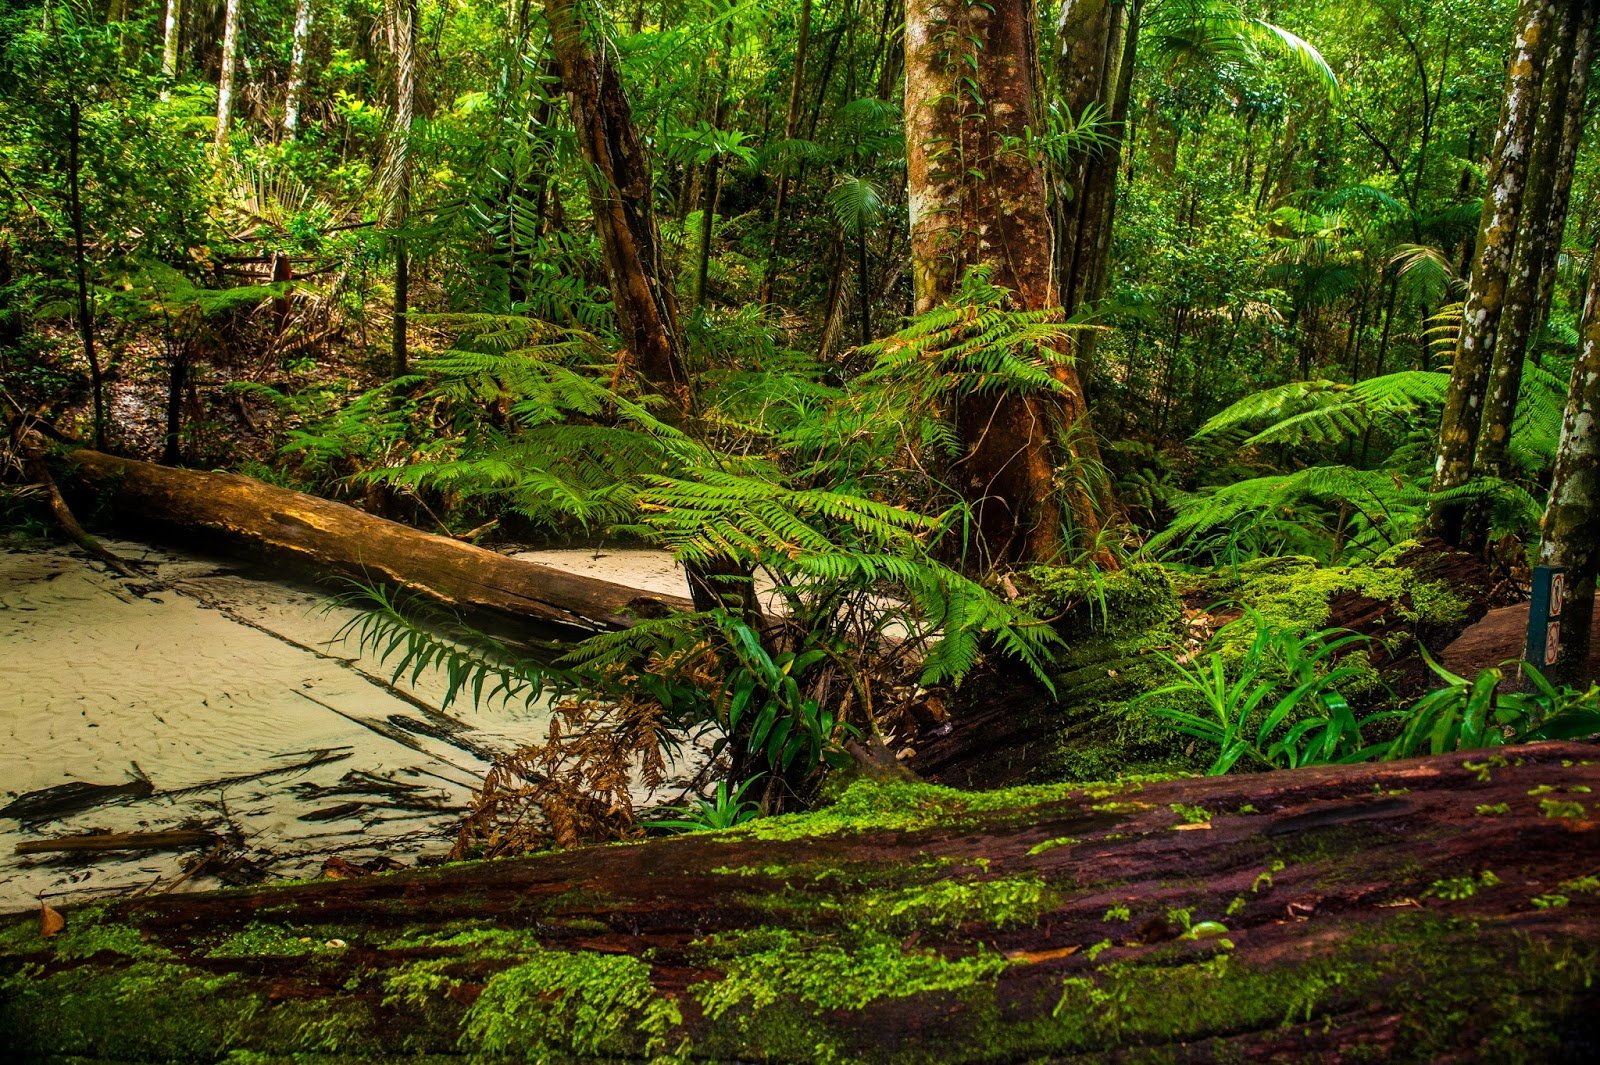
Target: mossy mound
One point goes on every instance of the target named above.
(1116, 628)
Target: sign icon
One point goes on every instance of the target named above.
(1552, 643)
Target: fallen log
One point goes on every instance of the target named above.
(1443, 909)
(242, 513)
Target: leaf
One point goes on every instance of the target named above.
(50, 922)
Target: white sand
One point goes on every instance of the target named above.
(94, 678)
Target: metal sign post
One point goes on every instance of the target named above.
(1544, 616)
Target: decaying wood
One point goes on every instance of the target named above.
(1442, 909)
(174, 839)
(242, 513)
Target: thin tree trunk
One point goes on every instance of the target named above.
(403, 29)
(621, 191)
(1497, 230)
(1566, 159)
(956, 124)
(81, 269)
(1573, 513)
(230, 48)
(791, 124)
(170, 44)
(1523, 312)
(297, 68)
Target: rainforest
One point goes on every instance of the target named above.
(799, 531)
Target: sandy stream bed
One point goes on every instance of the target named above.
(101, 684)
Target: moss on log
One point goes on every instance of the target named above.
(1440, 909)
(243, 514)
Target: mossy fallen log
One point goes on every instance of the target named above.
(1444, 909)
(243, 514)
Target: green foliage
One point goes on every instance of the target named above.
(1466, 715)
(726, 808)
(1277, 705)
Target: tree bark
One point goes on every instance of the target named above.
(230, 50)
(242, 514)
(978, 198)
(403, 38)
(1571, 135)
(1314, 915)
(622, 193)
(297, 68)
(1538, 240)
(1497, 234)
(1573, 513)
(81, 268)
(170, 45)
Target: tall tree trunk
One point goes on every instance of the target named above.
(791, 124)
(1573, 513)
(1497, 232)
(971, 77)
(81, 268)
(1566, 159)
(1096, 47)
(170, 43)
(621, 191)
(1537, 241)
(297, 68)
(403, 39)
(230, 48)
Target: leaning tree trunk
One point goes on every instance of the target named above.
(230, 48)
(1538, 241)
(403, 38)
(978, 199)
(1497, 233)
(1573, 514)
(620, 190)
(297, 68)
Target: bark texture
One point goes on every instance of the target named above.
(1573, 515)
(402, 30)
(230, 54)
(1492, 260)
(243, 514)
(1097, 43)
(621, 193)
(297, 67)
(1372, 913)
(977, 198)
(172, 35)
(1538, 241)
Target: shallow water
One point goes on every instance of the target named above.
(214, 677)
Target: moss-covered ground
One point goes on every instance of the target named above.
(1370, 913)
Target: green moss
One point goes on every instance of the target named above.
(581, 1004)
(951, 903)
(1088, 602)
(148, 1011)
(259, 940)
(88, 933)
(766, 966)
